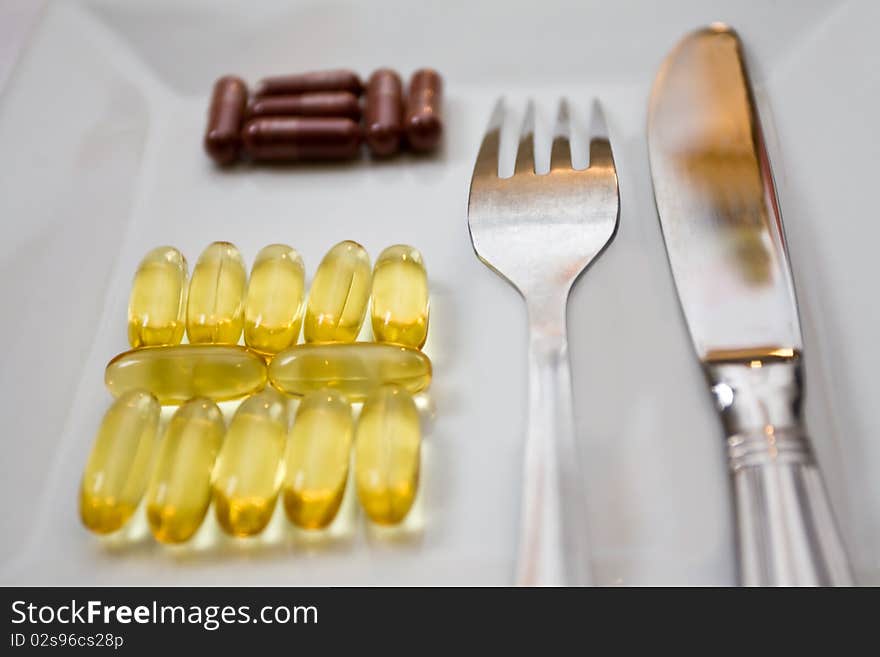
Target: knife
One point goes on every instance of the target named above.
(724, 238)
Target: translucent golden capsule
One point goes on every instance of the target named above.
(273, 308)
(175, 374)
(354, 369)
(246, 476)
(157, 303)
(118, 469)
(387, 455)
(399, 302)
(339, 295)
(316, 460)
(180, 488)
(214, 310)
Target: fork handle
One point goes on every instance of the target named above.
(553, 547)
(786, 533)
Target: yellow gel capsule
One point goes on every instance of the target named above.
(180, 488)
(339, 295)
(158, 299)
(316, 460)
(354, 369)
(215, 308)
(177, 373)
(274, 305)
(118, 469)
(387, 455)
(246, 476)
(399, 303)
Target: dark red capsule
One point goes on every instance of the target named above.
(271, 138)
(424, 118)
(383, 112)
(223, 134)
(321, 103)
(302, 83)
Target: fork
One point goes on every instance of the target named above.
(539, 232)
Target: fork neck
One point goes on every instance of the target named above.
(547, 319)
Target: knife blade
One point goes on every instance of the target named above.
(726, 246)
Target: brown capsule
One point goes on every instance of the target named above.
(301, 83)
(424, 120)
(321, 103)
(295, 138)
(223, 134)
(383, 112)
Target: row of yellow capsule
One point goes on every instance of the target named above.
(244, 468)
(214, 304)
(219, 303)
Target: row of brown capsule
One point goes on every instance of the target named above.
(316, 116)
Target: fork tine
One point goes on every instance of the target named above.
(525, 154)
(560, 152)
(600, 146)
(487, 159)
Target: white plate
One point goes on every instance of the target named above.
(100, 130)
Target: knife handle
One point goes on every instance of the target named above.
(786, 532)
